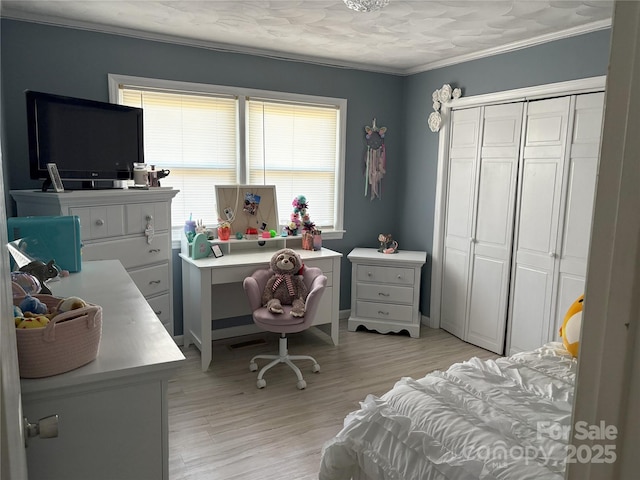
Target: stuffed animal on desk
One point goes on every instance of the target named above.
(286, 286)
(42, 271)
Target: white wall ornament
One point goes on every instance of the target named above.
(441, 96)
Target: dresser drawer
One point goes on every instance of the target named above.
(138, 215)
(132, 252)
(161, 307)
(393, 275)
(384, 311)
(151, 280)
(100, 221)
(384, 293)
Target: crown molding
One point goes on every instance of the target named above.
(512, 47)
(320, 61)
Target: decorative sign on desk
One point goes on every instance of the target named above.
(248, 208)
(200, 247)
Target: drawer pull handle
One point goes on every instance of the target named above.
(383, 313)
(158, 312)
(99, 222)
(148, 218)
(154, 250)
(382, 294)
(399, 277)
(369, 274)
(154, 282)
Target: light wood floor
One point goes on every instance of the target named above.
(221, 427)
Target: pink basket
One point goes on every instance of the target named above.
(70, 340)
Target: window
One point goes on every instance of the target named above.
(210, 135)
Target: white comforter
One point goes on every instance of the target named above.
(499, 419)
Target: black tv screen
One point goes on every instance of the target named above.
(86, 139)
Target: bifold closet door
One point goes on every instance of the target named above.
(483, 162)
(581, 174)
(463, 151)
(557, 186)
(493, 227)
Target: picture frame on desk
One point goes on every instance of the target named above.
(216, 250)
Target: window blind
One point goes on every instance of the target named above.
(196, 137)
(294, 147)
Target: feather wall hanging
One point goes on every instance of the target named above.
(375, 161)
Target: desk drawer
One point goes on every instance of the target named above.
(324, 264)
(384, 293)
(132, 252)
(392, 275)
(151, 280)
(384, 311)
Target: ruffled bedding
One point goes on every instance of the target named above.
(491, 419)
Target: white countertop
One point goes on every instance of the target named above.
(401, 256)
(134, 341)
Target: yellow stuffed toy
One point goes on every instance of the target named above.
(570, 329)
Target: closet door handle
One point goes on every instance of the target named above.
(553, 254)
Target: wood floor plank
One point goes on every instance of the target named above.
(221, 427)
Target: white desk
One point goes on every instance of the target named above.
(212, 290)
(113, 417)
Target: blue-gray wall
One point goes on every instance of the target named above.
(76, 63)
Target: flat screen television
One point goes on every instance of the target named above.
(88, 140)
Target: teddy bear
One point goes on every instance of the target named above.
(285, 287)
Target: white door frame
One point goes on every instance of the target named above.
(608, 380)
(586, 85)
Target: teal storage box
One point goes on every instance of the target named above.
(48, 238)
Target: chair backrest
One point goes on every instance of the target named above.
(313, 278)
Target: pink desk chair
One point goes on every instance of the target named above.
(284, 323)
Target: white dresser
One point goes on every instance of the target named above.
(133, 226)
(113, 411)
(385, 290)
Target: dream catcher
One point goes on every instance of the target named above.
(376, 160)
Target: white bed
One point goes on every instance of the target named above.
(492, 419)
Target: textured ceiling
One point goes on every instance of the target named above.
(405, 37)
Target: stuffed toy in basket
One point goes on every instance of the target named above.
(69, 339)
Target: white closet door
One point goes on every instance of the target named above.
(581, 173)
(539, 209)
(465, 135)
(492, 241)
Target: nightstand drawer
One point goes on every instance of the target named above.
(151, 280)
(384, 293)
(132, 252)
(384, 311)
(393, 275)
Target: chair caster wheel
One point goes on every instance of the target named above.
(316, 368)
(301, 384)
(253, 366)
(261, 383)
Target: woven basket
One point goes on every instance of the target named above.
(70, 340)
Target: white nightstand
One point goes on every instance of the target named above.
(385, 290)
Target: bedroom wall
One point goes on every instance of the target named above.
(573, 58)
(76, 63)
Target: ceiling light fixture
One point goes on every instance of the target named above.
(366, 5)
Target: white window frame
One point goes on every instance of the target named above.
(115, 80)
